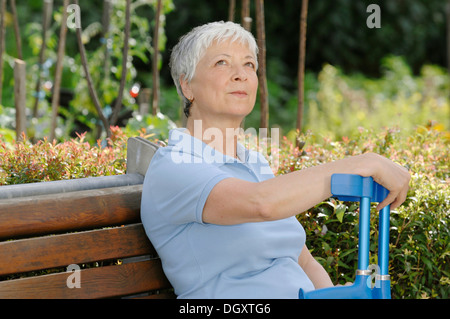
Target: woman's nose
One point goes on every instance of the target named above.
(239, 73)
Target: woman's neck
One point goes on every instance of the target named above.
(218, 135)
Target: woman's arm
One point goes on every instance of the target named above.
(234, 201)
(315, 272)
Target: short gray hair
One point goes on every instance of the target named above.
(191, 47)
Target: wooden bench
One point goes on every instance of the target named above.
(80, 238)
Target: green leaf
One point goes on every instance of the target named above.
(427, 262)
(340, 210)
(348, 252)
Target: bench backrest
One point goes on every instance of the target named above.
(79, 244)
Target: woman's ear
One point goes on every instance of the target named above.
(186, 88)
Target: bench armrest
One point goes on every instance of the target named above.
(139, 155)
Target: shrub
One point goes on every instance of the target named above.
(24, 162)
(419, 233)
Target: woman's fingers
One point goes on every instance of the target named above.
(396, 179)
(393, 199)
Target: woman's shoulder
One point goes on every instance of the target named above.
(165, 160)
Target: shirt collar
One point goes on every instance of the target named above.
(188, 144)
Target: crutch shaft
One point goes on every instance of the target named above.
(364, 234)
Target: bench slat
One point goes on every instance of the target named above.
(21, 217)
(103, 282)
(74, 248)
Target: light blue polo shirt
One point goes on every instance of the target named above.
(250, 260)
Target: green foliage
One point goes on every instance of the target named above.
(7, 120)
(337, 104)
(24, 162)
(104, 54)
(339, 34)
(105, 62)
(343, 103)
(419, 234)
(157, 127)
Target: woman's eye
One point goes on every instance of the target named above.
(250, 64)
(221, 62)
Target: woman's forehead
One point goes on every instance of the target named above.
(229, 48)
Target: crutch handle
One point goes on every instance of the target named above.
(351, 188)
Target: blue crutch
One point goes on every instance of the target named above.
(348, 187)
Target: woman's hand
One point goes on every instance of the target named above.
(315, 272)
(346, 284)
(390, 175)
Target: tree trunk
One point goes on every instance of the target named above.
(58, 71)
(20, 97)
(16, 29)
(46, 19)
(448, 43)
(231, 10)
(123, 78)
(301, 64)
(448, 35)
(155, 101)
(2, 42)
(261, 35)
(106, 18)
(91, 88)
(245, 15)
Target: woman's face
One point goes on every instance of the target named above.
(225, 82)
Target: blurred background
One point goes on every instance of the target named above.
(355, 76)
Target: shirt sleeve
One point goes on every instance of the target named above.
(179, 191)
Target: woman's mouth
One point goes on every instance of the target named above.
(239, 94)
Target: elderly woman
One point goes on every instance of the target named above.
(222, 223)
